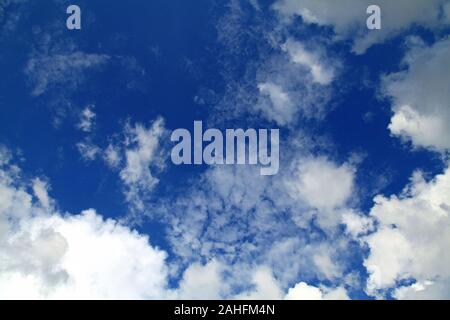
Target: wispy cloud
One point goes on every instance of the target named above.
(55, 70)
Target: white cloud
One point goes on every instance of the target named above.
(44, 254)
(226, 195)
(292, 256)
(142, 154)
(235, 215)
(88, 258)
(265, 286)
(40, 191)
(202, 282)
(87, 150)
(288, 86)
(112, 156)
(421, 97)
(357, 225)
(412, 237)
(322, 74)
(303, 291)
(281, 108)
(47, 254)
(428, 290)
(323, 184)
(285, 92)
(87, 119)
(325, 189)
(338, 293)
(215, 280)
(348, 17)
(447, 11)
(5, 155)
(286, 82)
(58, 69)
(323, 259)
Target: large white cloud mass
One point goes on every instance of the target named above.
(421, 96)
(46, 254)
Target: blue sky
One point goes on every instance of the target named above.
(359, 208)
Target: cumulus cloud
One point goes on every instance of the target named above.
(142, 156)
(303, 291)
(411, 240)
(348, 17)
(285, 81)
(202, 282)
(447, 11)
(428, 290)
(137, 154)
(45, 254)
(87, 119)
(421, 96)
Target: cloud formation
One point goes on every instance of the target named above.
(411, 240)
(322, 74)
(348, 17)
(48, 254)
(87, 119)
(60, 69)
